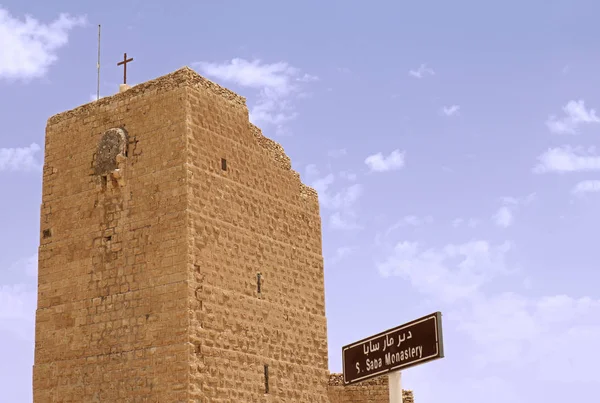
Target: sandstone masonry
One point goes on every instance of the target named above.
(371, 391)
(180, 257)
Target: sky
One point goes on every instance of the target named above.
(453, 146)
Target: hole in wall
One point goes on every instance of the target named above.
(47, 233)
(223, 164)
(266, 379)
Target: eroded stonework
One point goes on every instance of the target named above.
(113, 143)
(197, 281)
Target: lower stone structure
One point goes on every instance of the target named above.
(371, 391)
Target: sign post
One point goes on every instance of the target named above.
(395, 386)
(388, 352)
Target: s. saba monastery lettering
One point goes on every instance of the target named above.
(180, 257)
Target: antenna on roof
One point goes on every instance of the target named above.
(98, 66)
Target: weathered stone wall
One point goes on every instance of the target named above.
(111, 323)
(148, 264)
(252, 217)
(180, 256)
(371, 391)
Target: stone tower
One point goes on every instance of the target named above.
(180, 256)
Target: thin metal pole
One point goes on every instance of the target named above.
(98, 66)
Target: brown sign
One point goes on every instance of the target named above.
(404, 346)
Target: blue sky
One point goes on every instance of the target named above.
(453, 145)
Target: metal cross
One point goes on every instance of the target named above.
(124, 64)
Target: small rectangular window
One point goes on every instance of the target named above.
(258, 281)
(223, 164)
(266, 379)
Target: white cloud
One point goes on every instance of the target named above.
(321, 185)
(588, 186)
(457, 222)
(422, 71)
(340, 203)
(337, 153)
(94, 97)
(575, 115)
(277, 85)
(510, 200)
(29, 47)
(20, 159)
(311, 170)
(535, 334)
(341, 253)
(505, 331)
(567, 159)
(450, 110)
(307, 78)
(503, 217)
(471, 222)
(417, 221)
(343, 199)
(19, 299)
(15, 301)
(451, 273)
(410, 221)
(344, 220)
(379, 163)
(27, 266)
(530, 198)
(482, 388)
(406, 221)
(539, 333)
(349, 176)
(17, 310)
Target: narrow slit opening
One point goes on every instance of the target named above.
(266, 379)
(258, 282)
